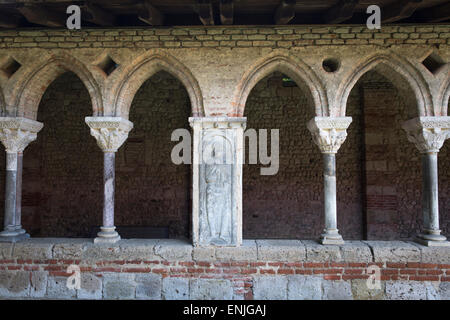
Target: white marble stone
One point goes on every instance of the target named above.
(217, 181)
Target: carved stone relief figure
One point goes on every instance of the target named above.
(216, 207)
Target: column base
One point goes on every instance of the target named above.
(107, 235)
(13, 236)
(432, 240)
(331, 237)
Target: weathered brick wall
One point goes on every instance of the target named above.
(230, 36)
(262, 269)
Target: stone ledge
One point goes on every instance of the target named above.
(251, 250)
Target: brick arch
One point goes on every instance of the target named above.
(29, 92)
(297, 70)
(143, 68)
(401, 71)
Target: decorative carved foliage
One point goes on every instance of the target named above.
(17, 133)
(110, 132)
(428, 133)
(329, 133)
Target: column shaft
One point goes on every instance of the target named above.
(329, 176)
(331, 234)
(430, 200)
(11, 193)
(108, 233)
(13, 197)
(108, 180)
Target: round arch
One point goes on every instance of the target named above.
(143, 68)
(30, 91)
(401, 69)
(301, 73)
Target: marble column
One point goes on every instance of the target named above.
(328, 134)
(428, 134)
(110, 133)
(218, 152)
(15, 134)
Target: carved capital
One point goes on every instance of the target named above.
(329, 132)
(17, 133)
(110, 132)
(427, 133)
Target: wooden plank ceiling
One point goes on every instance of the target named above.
(120, 13)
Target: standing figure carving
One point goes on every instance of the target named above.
(217, 194)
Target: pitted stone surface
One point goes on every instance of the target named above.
(175, 288)
(119, 286)
(148, 286)
(69, 250)
(394, 251)
(356, 251)
(316, 252)
(444, 289)
(247, 251)
(6, 250)
(337, 290)
(38, 284)
(90, 287)
(138, 249)
(173, 250)
(211, 289)
(270, 288)
(57, 289)
(304, 288)
(434, 254)
(204, 253)
(35, 249)
(281, 250)
(405, 290)
(14, 284)
(361, 291)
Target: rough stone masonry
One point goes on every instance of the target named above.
(394, 83)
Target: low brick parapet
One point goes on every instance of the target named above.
(154, 269)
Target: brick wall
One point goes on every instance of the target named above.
(194, 37)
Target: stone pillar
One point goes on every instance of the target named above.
(428, 134)
(110, 133)
(328, 134)
(15, 134)
(217, 181)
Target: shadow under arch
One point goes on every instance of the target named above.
(29, 92)
(396, 70)
(297, 70)
(143, 68)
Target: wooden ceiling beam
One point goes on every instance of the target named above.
(399, 10)
(43, 16)
(95, 14)
(226, 11)
(8, 21)
(150, 15)
(435, 14)
(285, 12)
(340, 12)
(205, 12)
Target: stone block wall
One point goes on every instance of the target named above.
(261, 269)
